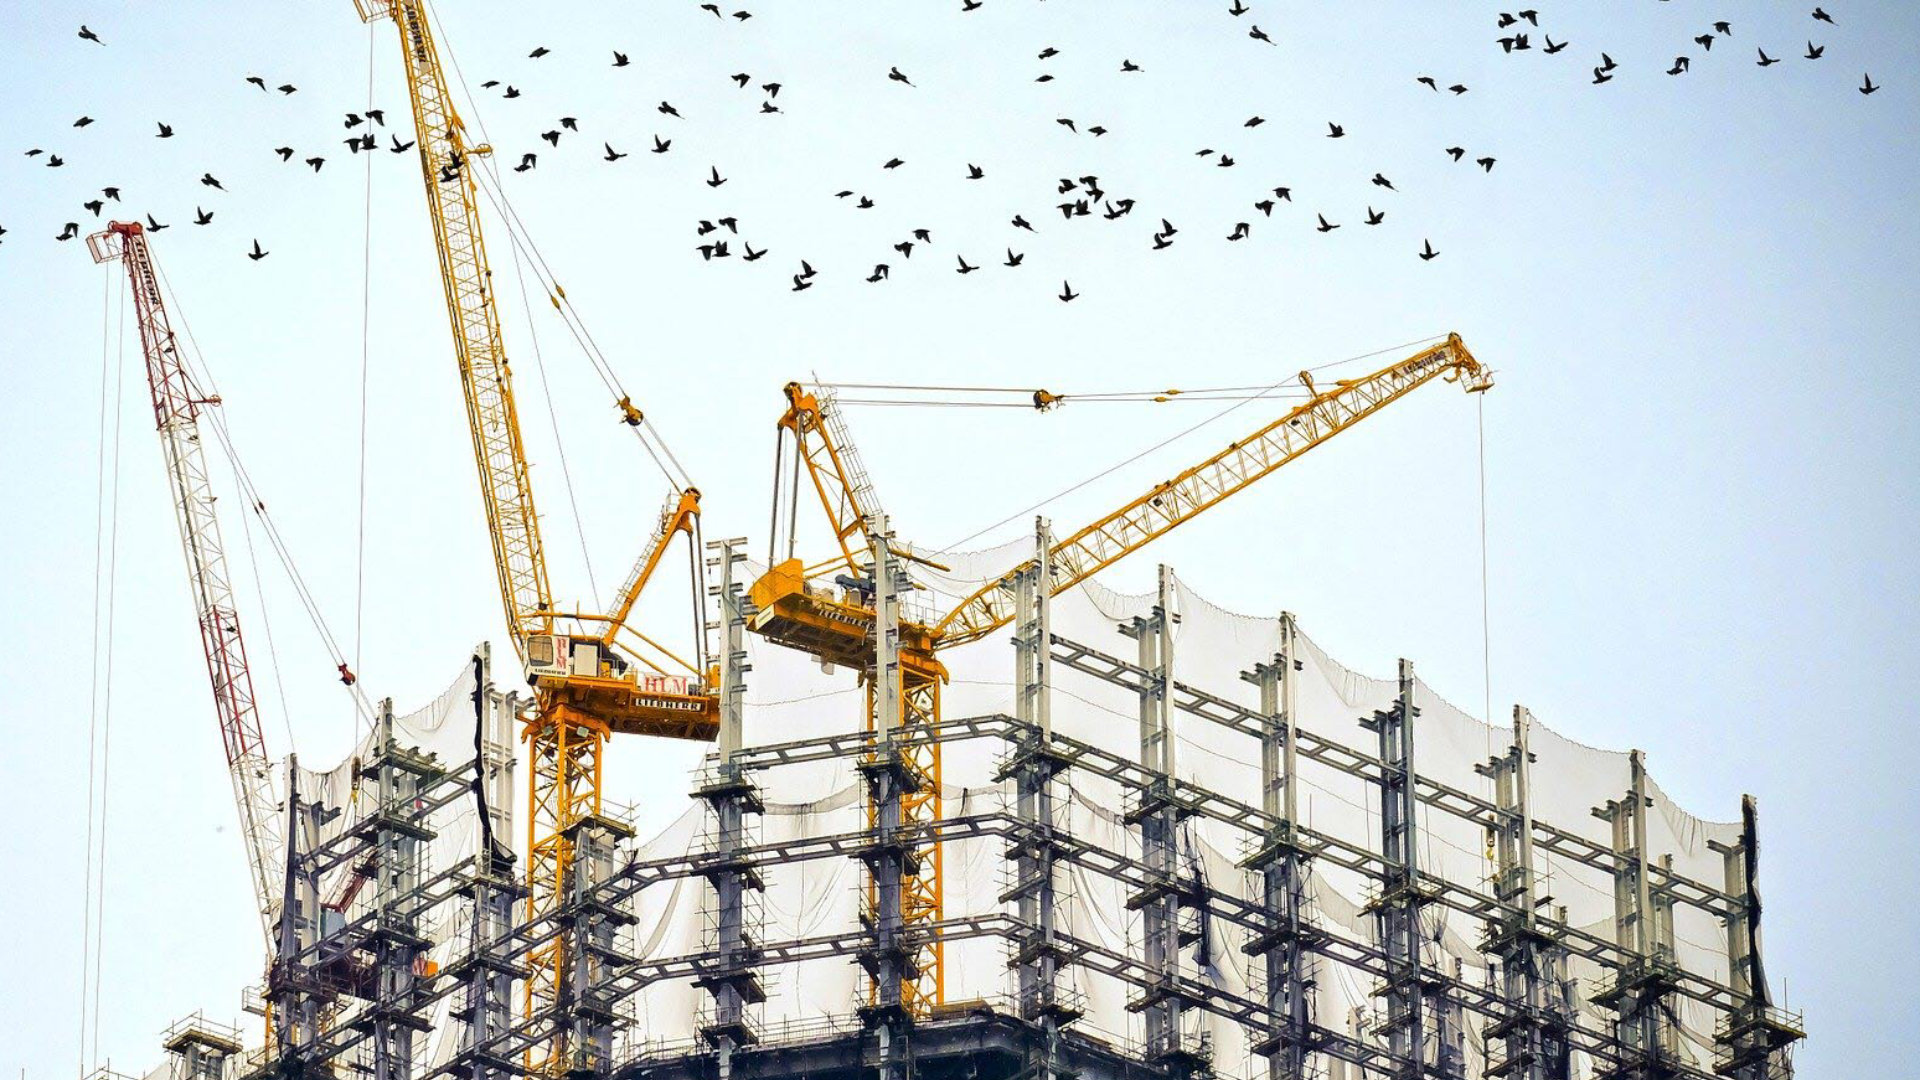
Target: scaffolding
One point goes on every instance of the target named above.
(408, 970)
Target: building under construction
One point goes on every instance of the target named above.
(987, 819)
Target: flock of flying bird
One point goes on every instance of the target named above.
(1081, 196)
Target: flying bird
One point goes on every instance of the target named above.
(1456, 152)
(511, 92)
(201, 217)
(1335, 131)
(166, 131)
(1375, 217)
(527, 161)
(72, 230)
(1265, 206)
(1866, 84)
(1238, 9)
(1680, 64)
(1068, 124)
(399, 147)
(1325, 226)
(552, 137)
(963, 267)
(1254, 121)
(155, 226)
(895, 75)
(1814, 52)
(1428, 82)
(881, 272)
(611, 154)
(1765, 60)
(538, 52)
(287, 88)
(94, 205)
(258, 82)
(741, 79)
(1020, 222)
(1283, 193)
(54, 161)
(1380, 180)
(1130, 66)
(801, 283)
(88, 35)
(1241, 230)
(1705, 41)
(1555, 46)
(83, 121)
(1485, 163)
(660, 145)
(257, 254)
(772, 89)
(1818, 13)
(893, 163)
(667, 109)
(974, 172)
(111, 193)
(208, 180)
(1723, 28)
(316, 162)
(1427, 254)
(1457, 89)
(752, 255)
(714, 178)
(1014, 259)
(1067, 295)
(1258, 34)
(619, 58)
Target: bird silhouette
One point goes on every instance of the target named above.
(1485, 163)
(752, 255)
(741, 79)
(767, 107)
(1705, 41)
(1531, 16)
(354, 120)
(378, 116)
(527, 161)
(54, 161)
(1723, 27)
(1506, 19)
(1166, 227)
(399, 147)
(1555, 46)
(287, 88)
(1014, 259)
(552, 137)
(667, 109)
(88, 35)
(964, 268)
(155, 226)
(1427, 254)
(1600, 76)
(257, 254)
(1130, 67)
(1606, 63)
(974, 172)
(1068, 124)
(1814, 52)
(258, 82)
(1818, 13)
(893, 163)
(201, 217)
(538, 52)
(1225, 162)
(166, 131)
(1278, 193)
(881, 272)
(1265, 206)
(1456, 152)
(715, 179)
(1375, 217)
(1067, 295)
(1325, 226)
(895, 75)
(1335, 131)
(1680, 64)
(1380, 180)
(316, 162)
(772, 89)
(864, 203)
(1254, 121)
(94, 205)
(1765, 60)
(905, 248)
(1044, 78)
(1020, 222)
(611, 154)
(800, 284)
(1238, 9)
(660, 145)
(83, 121)
(619, 58)
(1258, 34)
(72, 230)
(1866, 84)
(1428, 82)
(715, 8)
(111, 193)
(1161, 242)
(1457, 89)
(1241, 230)
(208, 180)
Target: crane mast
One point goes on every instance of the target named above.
(586, 688)
(177, 401)
(794, 611)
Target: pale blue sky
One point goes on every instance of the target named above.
(1693, 288)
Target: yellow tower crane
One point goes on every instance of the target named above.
(593, 674)
(797, 605)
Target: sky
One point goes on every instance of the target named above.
(1694, 290)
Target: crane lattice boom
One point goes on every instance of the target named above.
(176, 412)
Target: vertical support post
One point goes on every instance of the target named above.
(1157, 816)
(1640, 988)
(1288, 941)
(1754, 1041)
(399, 837)
(1034, 765)
(732, 979)
(483, 1006)
(889, 959)
(1409, 985)
(1533, 981)
(587, 1018)
(296, 998)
